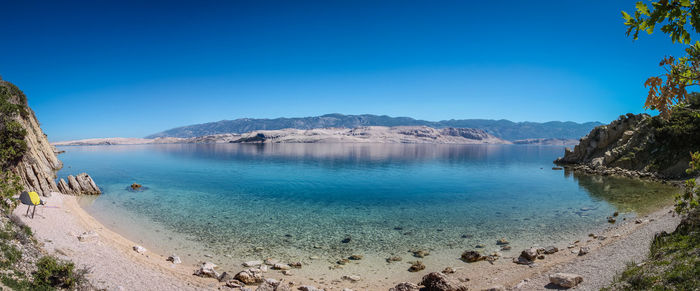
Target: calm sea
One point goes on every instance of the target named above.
(238, 202)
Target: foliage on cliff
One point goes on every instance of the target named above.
(13, 104)
(675, 136)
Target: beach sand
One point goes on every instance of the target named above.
(116, 266)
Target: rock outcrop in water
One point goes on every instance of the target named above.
(81, 184)
(37, 167)
(640, 145)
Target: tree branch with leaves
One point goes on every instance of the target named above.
(680, 20)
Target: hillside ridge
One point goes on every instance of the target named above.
(502, 128)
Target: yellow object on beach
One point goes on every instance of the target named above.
(35, 198)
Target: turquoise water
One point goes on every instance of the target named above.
(296, 200)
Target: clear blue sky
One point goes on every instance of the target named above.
(122, 68)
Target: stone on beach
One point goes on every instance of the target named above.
(550, 250)
(88, 236)
(496, 288)
(565, 280)
(252, 263)
(440, 282)
(206, 269)
(583, 250)
(174, 259)
(281, 267)
(225, 277)
(529, 254)
(249, 276)
(502, 241)
(139, 249)
(351, 278)
(405, 286)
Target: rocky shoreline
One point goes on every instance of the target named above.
(89, 243)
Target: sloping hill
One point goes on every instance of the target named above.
(504, 129)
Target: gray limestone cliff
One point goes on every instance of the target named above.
(37, 167)
(640, 145)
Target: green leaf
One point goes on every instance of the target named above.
(626, 16)
(642, 8)
(685, 3)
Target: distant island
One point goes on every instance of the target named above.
(366, 128)
(504, 129)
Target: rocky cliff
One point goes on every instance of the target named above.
(38, 165)
(640, 145)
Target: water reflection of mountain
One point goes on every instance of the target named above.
(624, 193)
(362, 153)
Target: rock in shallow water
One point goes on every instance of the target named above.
(472, 256)
(416, 266)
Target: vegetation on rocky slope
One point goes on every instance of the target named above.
(23, 264)
(674, 138)
(674, 261)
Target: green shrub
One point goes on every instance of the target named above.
(54, 273)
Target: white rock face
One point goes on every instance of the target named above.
(566, 280)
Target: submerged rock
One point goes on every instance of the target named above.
(393, 259)
(565, 280)
(502, 241)
(416, 266)
(355, 257)
(420, 253)
(472, 256)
